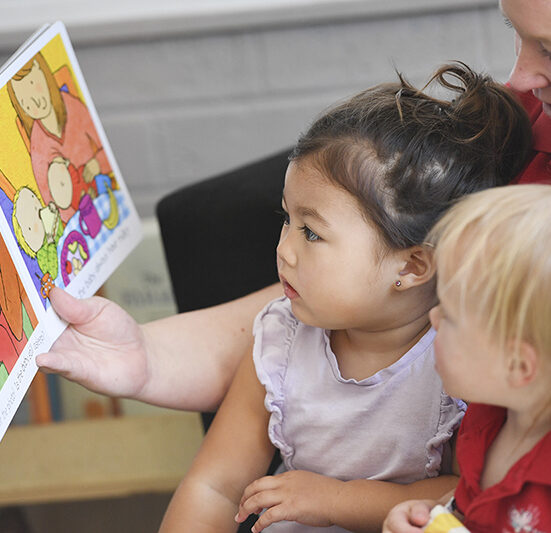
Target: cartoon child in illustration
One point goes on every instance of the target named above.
(37, 229)
(67, 185)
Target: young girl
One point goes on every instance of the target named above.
(493, 347)
(343, 380)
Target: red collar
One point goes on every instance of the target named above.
(480, 427)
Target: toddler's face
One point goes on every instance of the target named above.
(468, 360)
(60, 184)
(27, 212)
(328, 256)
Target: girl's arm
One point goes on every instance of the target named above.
(236, 450)
(411, 516)
(363, 504)
(185, 361)
(358, 505)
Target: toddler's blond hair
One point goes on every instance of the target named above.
(494, 248)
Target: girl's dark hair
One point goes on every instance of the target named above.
(406, 155)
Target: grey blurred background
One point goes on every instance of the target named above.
(189, 88)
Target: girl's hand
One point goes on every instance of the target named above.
(296, 496)
(408, 517)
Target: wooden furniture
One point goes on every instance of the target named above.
(100, 458)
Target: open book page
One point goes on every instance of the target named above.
(66, 218)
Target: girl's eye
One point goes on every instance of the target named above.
(309, 234)
(284, 216)
(507, 22)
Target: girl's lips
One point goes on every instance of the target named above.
(289, 291)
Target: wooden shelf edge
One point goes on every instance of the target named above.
(93, 459)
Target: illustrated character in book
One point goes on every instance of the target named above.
(37, 229)
(67, 184)
(17, 318)
(58, 125)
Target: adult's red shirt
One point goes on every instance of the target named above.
(538, 170)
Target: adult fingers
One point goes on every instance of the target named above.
(72, 309)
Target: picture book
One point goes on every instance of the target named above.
(66, 218)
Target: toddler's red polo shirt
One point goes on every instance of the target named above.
(521, 502)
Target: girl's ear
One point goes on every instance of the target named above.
(522, 364)
(418, 267)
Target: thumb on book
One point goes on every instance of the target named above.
(72, 309)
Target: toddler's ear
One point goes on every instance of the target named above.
(418, 266)
(522, 364)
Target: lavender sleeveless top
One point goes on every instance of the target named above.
(393, 426)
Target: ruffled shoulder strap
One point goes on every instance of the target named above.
(439, 450)
(274, 331)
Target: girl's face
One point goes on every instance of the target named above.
(33, 94)
(531, 20)
(329, 258)
(469, 362)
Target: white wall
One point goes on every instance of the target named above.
(190, 88)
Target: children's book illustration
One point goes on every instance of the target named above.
(17, 318)
(66, 217)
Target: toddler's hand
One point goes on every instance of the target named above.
(408, 517)
(296, 496)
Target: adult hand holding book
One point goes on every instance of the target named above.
(103, 347)
(185, 361)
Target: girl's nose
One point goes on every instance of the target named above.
(285, 250)
(532, 70)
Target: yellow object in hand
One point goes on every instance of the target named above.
(442, 521)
